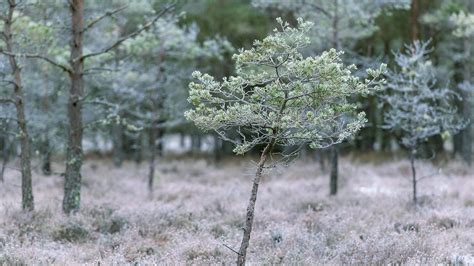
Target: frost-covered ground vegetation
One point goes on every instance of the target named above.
(198, 207)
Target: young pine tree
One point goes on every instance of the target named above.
(418, 107)
(279, 97)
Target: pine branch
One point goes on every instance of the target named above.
(37, 56)
(231, 249)
(318, 8)
(6, 101)
(8, 118)
(131, 35)
(105, 15)
(11, 82)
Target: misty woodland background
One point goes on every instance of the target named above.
(132, 132)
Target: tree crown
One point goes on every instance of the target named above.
(278, 95)
(418, 107)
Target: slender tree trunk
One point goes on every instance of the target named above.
(155, 132)
(217, 149)
(334, 151)
(251, 205)
(25, 160)
(153, 148)
(320, 157)
(466, 133)
(139, 149)
(196, 144)
(117, 128)
(74, 155)
(46, 149)
(335, 26)
(117, 137)
(414, 180)
(46, 157)
(377, 127)
(415, 13)
(5, 157)
(334, 170)
(160, 147)
(182, 140)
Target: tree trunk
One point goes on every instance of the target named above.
(5, 157)
(139, 148)
(46, 149)
(117, 138)
(151, 172)
(334, 152)
(466, 133)
(46, 157)
(182, 140)
(26, 183)
(335, 27)
(415, 13)
(217, 150)
(414, 180)
(251, 205)
(160, 147)
(334, 172)
(379, 144)
(74, 155)
(25, 160)
(196, 144)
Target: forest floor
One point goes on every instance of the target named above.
(197, 207)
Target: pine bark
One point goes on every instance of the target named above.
(466, 133)
(414, 179)
(241, 257)
(5, 157)
(118, 147)
(74, 155)
(25, 153)
(415, 13)
(46, 145)
(46, 157)
(334, 170)
(334, 152)
(217, 150)
(153, 148)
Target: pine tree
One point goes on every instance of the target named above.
(279, 98)
(419, 108)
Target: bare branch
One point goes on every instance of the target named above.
(6, 101)
(44, 58)
(429, 175)
(317, 8)
(231, 249)
(8, 118)
(8, 82)
(3, 36)
(94, 70)
(104, 103)
(131, 35)
(107, 14)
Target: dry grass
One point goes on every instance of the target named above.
(197, 207)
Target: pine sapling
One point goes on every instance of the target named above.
(280, 98)
(419, 108)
